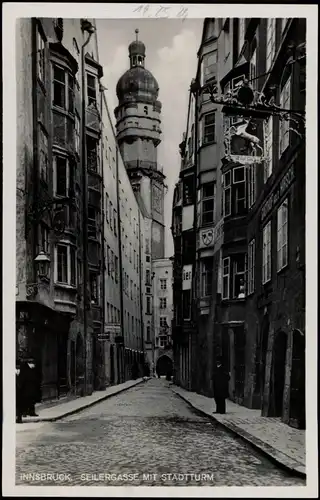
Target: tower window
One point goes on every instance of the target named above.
(140, 60)
(134, 61)
(146, 110)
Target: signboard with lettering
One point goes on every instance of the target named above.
(187, 277)
(112, 328)
(284, 184)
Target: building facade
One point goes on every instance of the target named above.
(249, 281)
(80, 231)
(162, 313)
(138, 120)
(54, 324)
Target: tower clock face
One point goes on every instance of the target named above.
(157, 199)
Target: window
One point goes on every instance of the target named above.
(188, 190)
(163, 322)
(107, 207)
(131, 289)
(76, 52)
(130, 252)
(43, 238)
(40, 57)
(134, 259)
(43, 154)
(91, 90)
(148, 333)
(227, 194)
(77, 133)
(148, 305)
(115, 222)
(226, 278)
(284, 21)
(251, 177)
(145, 109)
(282, 235)
(207, 203)
(63, 176)
(92, 154)
(111, 212)
(94, 288)
(267, 171)
(116, 265)
(284, 126)
(266, 253)
(253, 70)
(242, 28)
(148, 280)
(112, 265)
(209, 66)
(108, 260)
(163, 303)
(251, 267)
(186, 304)
(63, 89)
(209, 128)
(163, 283)
(271, 41)
(238, 276)
(65, 261)
(239, 190)
(92, 221)
(206, 276)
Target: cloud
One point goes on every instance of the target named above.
(174, 68)
(173, 65)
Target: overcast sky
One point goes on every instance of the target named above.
(171, 55)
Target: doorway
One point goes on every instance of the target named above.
(278, 372)
(239, 362)
(111, 364)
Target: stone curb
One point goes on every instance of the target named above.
(80, 408)
(274, 455)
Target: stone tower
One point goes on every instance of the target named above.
(138, 135)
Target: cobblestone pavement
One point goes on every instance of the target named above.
(145, 430)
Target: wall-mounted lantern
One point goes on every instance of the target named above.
(43, 264)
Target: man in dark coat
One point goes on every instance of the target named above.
(32, 387)
(19, 395)
(220, 387)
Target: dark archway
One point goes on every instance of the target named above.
(164, 365)
(297, 383)
(263, 355)
(112, 374)
(278, 372)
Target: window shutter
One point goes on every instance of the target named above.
(246, 272)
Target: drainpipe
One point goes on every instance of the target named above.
(141, 285)
(102, 343)
(85, 26)
(120, 250)
(194, 265)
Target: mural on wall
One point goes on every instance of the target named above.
(157, 202)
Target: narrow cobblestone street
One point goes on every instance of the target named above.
(145, 430)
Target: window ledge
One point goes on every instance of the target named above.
(279, 271)
(65, 286)
(42, 85)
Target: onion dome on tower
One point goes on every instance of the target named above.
(137, 83)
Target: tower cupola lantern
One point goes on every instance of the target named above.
(137, 52)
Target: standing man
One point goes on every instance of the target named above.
(33, 389)
(221, 387)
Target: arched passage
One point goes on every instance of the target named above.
(164, 365)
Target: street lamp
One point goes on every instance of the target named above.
(43, 264)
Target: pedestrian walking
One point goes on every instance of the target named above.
(220, 387)
(19, 395)
(32, 387)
